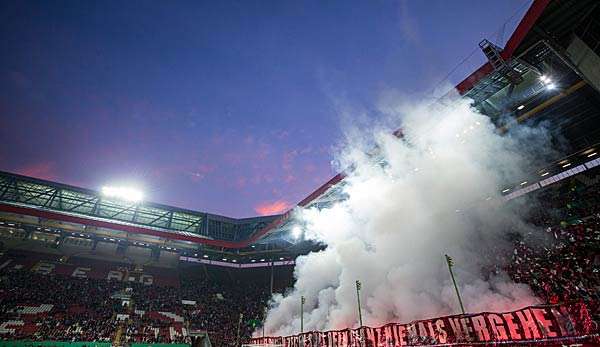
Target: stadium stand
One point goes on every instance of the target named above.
(48, 303)
(54, 295)
(42, 303)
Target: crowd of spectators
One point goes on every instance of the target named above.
(216, 309)
(568, 267)
(80, 327)
(81, 308)
(25, 287)
(220, 309)
(149, 330)
(86, 309)
(566, 271)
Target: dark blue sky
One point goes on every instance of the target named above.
(225, 106)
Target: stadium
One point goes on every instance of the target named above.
(81, 267)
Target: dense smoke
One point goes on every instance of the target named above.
(410, 200)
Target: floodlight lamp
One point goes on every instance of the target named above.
(124, 193)
(545, 79)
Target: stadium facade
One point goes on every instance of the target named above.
(546, 72)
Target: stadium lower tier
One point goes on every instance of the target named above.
(40, 301)
(58, 308)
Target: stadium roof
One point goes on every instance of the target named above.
(55, 201)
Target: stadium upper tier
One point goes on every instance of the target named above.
(54, 201)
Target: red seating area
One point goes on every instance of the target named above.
(40, 304)
(55, 307)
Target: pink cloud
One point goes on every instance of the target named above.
(206, 168)
(233, 158)
(263, 152)
(310, 168)
(249, 140)
(269, 208)
(241, 182)
(289, 178)
(202, 171)
(218, 139)
(282, 135)
(42, 170)
(288, 159)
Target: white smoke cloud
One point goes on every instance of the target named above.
(435, 192)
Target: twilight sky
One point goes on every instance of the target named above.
(229, 107)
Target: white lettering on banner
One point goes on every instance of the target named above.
(115, 275)
(81, 272)
(121, 276)
(545, 323)
(43, 268)
(563, 325)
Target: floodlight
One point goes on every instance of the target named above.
(124, 193)
(547, 81)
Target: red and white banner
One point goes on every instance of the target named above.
(557, 325)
